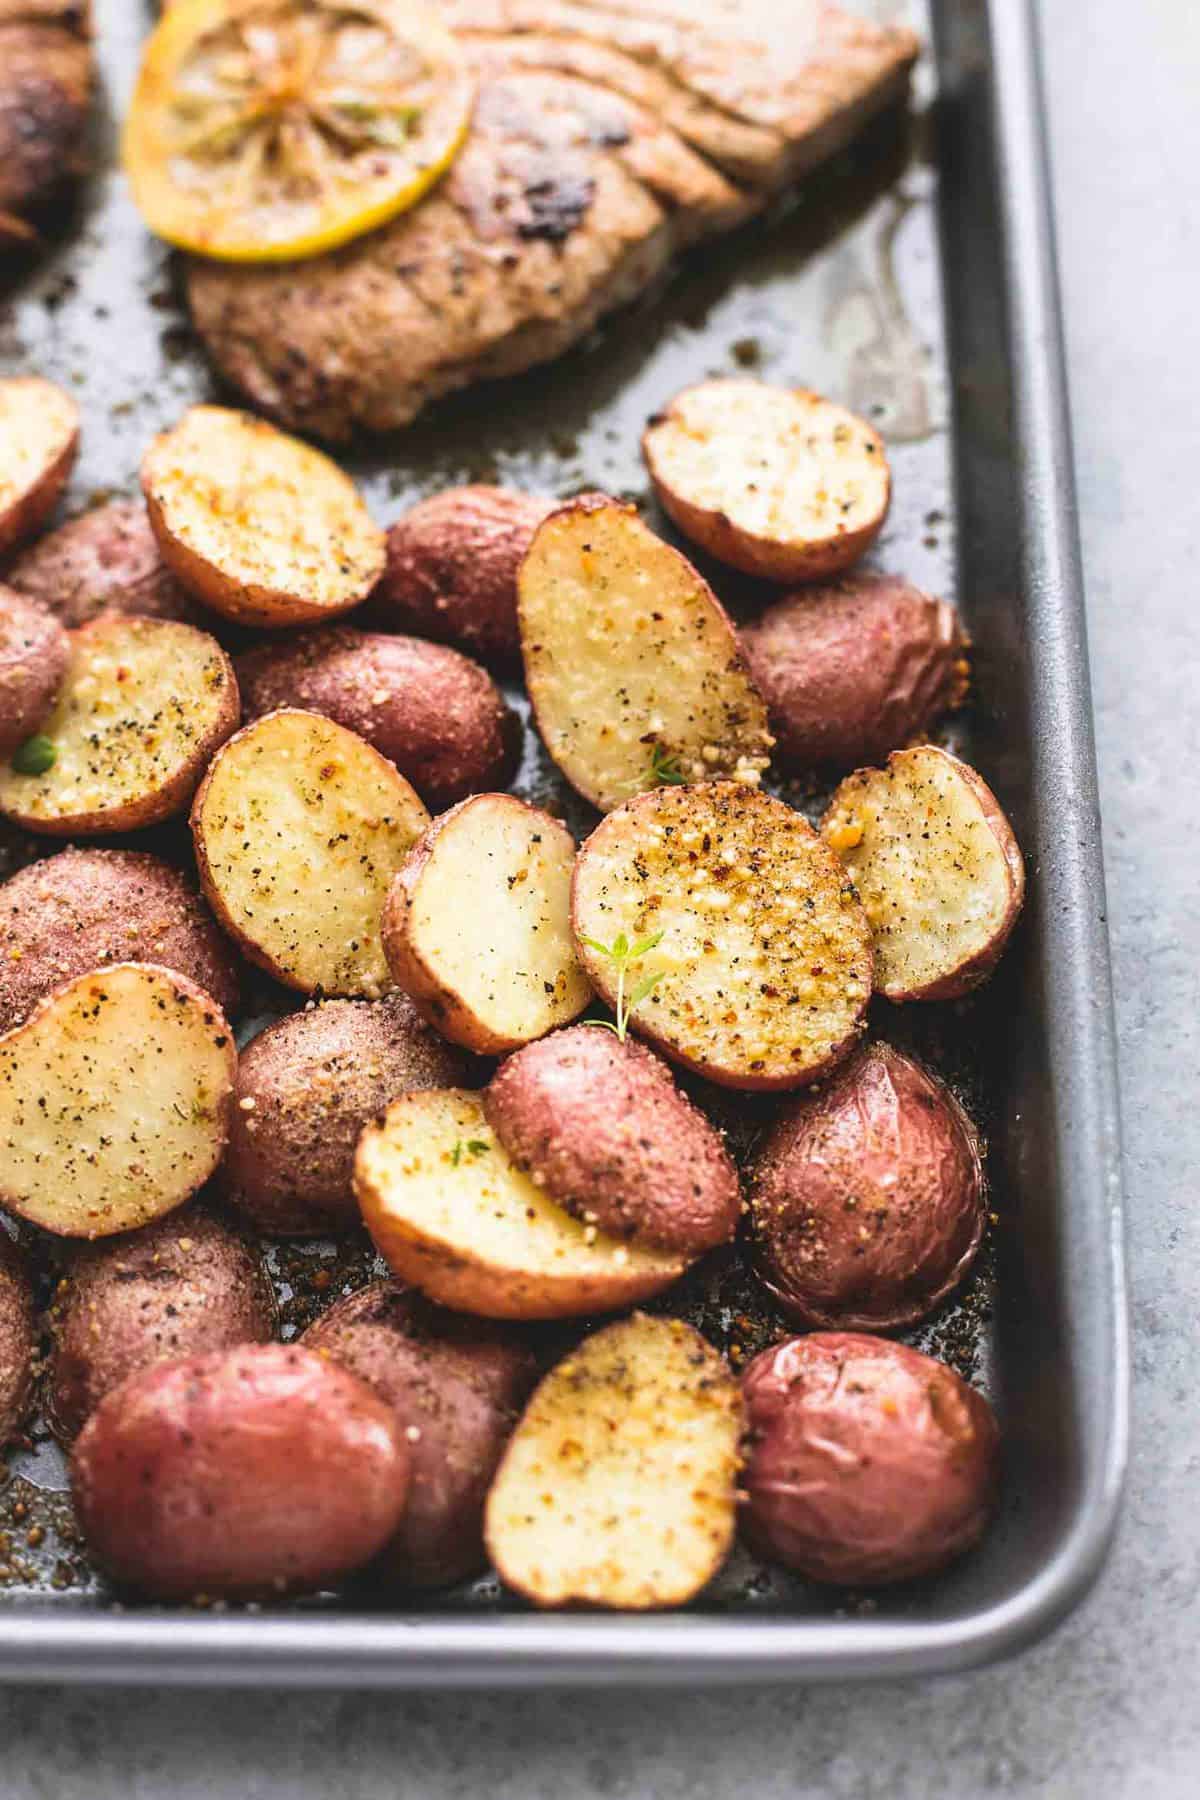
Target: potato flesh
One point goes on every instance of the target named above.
(928, 867)
(300, 827)
(37, 423)
(618, 1486)
(627, 654)
(764, 956)
(491, 918)
(142, 700)
(113, 1101)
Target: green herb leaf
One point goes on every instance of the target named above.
(456, 1153)
(37, 754)
(620, 947)
(647, 943)
(644, 987)
(478, 1146)
(604, 1025)
(664, 768)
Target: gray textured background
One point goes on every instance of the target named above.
(1109, 1706)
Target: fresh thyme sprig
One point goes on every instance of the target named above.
(473, 1147)
(664, 768)
(621, 953)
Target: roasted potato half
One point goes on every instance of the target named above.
(299, 827)
(114, 1101)
(181, 1287)
(632, 664)
(39, 439)
(438, 716)
(106, 560)
(618, 1487)
(775, 481)
(714, 921)
(928, 848)
(451, 1213)
(256, 524)
(34, 652)
(83, 909)
(18, 1339)
(477, 925)
(452, 563)
(140, 710)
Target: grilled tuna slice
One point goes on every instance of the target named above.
(45, 88)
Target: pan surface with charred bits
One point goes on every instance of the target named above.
(601, 145)
(45, 90)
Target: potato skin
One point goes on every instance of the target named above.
(180, 1287)
(80, 909)
(452, 564)
(868, 1463)
(106, 560)
(17, 1339)
(33, 661)
(438, 716)
(315, 1079)
(602, 1127)
(854, 670)
(457, 1386)
(867, 1198)
(226, 1475)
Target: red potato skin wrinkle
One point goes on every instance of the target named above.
(243, 1474)
(867, 1198)
(868, 1462)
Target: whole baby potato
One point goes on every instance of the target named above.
(457, 1386)
(17, 1340)
(855, 668)
(81, 909)
(106, 560)
(33, 661)
(180, 1287)
(867, 1197)
(868, 1462)
(306, 1087)
(241, 1474)
(438, 716)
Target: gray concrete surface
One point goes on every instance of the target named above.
(1109, 1707)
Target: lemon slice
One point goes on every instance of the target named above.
(263, 130)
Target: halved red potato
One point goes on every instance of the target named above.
(619, 1485)
(114, 1101)
(39, 439)
(451, 1213)
(33, 660)
(715, 918)
(477, 925)
(633, 666)
(257, 524)
(776, 481)
(139, 712)
(299, 827)
(927, 846)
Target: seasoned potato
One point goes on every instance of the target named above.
(241, 1474)
(306, 1087)
(18, 1340)
(600, 1126)
(856, 669)
(477, 925)
(33, 661)
(106, 560)
(142, 707)
(114, 1101)
(618, 1487)
(299, 827)
(39, 438)
(775, 481)
(632, 664)
(456, 1386)
(452, 1214)
(939, 871)
(452, 564)
(438, 716)
(867, 1197)
(868, 1462)
(81, 909)
(726, 933)
(177, 1288)
(256, 524)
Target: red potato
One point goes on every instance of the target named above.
(438, 716)
(33, 660)
(867, 1197)
(39, 440)
(106, 560)
(243, 1474)
(855, 669)
(456, 1386)
(18, 1340)
(868, 1463)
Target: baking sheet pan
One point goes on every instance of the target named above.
(914, 280)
